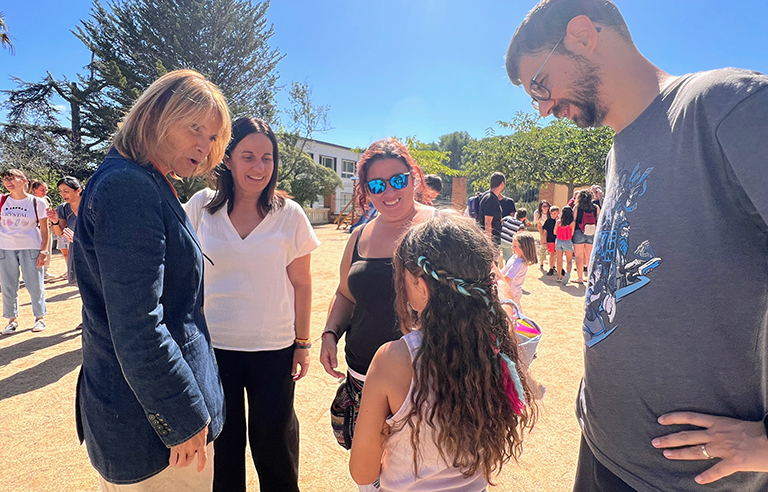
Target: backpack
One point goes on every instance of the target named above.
(473, 204)
(588, 222)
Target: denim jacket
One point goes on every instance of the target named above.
(149, 379)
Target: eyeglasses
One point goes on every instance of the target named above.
(539, 92)
(398, 182)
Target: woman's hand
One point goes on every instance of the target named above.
(328, 356)
(52, 215)
(183, 454)
(41, 259)
(300, 363)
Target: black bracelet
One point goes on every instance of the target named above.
(54, 223)
(335, 335)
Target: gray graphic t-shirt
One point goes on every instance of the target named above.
(676, 314)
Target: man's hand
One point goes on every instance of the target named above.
(183, 454)
(739, 445)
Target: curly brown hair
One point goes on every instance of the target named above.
(584, 200)
(458, 387)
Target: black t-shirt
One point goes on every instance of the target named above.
(507, 206)
(490, 206)
(549, 226)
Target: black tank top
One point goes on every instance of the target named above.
(374, 322)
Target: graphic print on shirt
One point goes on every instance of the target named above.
(16, 216)
(615, 273)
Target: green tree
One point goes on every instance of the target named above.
(133, 42)
(5, 38)
(299, 174)
(136, 41)
(534, 155)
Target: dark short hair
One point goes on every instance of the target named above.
(433, 182)
(547, 22)
(270, 199)
(497, 179)
(71, 182)
(521, 213)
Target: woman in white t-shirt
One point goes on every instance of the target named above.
(258, 298)
(23, 245)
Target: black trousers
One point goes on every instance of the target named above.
(592, 476)
(273, 429)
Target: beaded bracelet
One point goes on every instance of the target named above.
(302, 343)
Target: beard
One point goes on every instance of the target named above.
(585, 95)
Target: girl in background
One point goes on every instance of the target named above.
(549, 229)
(540, 216)
(457, 345)
(586, 213)
(40, 190)
(564, 243)
(23, 246)
(523, 255)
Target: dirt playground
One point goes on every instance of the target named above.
(40, 450)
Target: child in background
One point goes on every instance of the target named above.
(564, 243)
(405, 437)
(524, 254)
(540, 215)
(509, 227)
(551, 237)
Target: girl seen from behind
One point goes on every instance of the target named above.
(564, 243)
(457, 345)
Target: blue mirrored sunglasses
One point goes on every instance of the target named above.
(398, 182)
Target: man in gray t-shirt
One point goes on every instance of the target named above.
(676, 309)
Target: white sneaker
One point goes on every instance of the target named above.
(38, 326)
(10, 328)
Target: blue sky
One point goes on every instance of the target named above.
(414, 67)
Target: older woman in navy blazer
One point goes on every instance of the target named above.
(149, 395)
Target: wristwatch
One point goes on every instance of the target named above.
(45, 253)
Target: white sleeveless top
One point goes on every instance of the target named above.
(434, 474)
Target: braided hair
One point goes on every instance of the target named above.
(459, 384)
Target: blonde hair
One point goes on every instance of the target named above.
(528, 246)
(178, 96)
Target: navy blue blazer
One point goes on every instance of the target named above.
(149, 378)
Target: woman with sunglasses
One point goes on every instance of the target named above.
(363, 305)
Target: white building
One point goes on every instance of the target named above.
(341, 159)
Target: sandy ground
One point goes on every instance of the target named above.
(38, 371)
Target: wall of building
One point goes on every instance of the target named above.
(320, 152)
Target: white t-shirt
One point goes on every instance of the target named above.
(18, 225)
(249, 300)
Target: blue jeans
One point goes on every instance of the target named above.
(10, 261)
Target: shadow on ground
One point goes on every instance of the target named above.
(47, 372)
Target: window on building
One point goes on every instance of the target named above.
(328, 161)
(347, 168)
(311, 155)
(344, 199)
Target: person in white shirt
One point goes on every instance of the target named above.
(24, 241)
(258, 301)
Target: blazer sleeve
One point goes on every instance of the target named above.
(130, 247)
